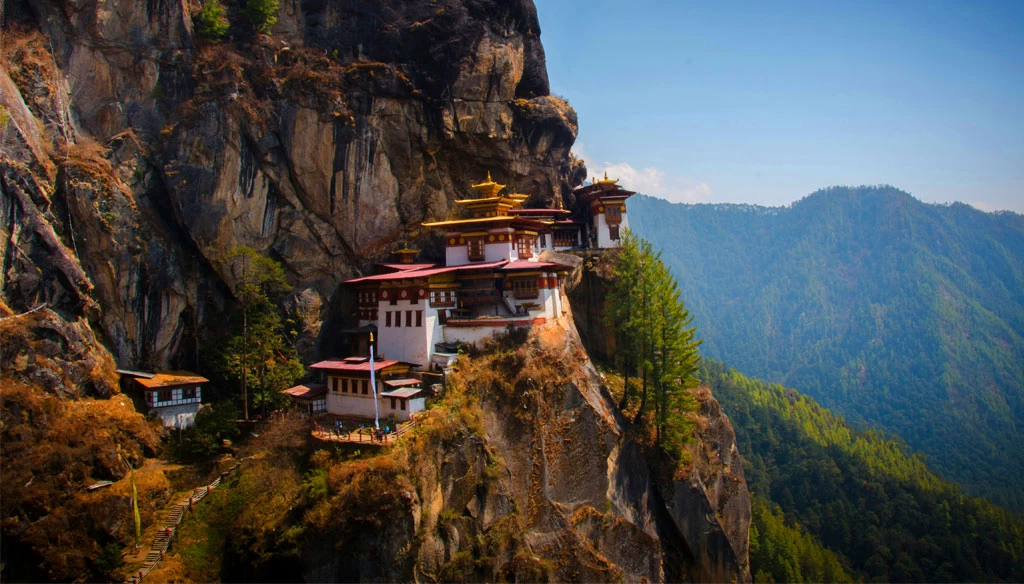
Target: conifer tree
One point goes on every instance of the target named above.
(260, 358)
(262, 14)
(656, 341)
(210, 23)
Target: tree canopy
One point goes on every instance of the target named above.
(261, 357)
(656, 341)
(895, 313)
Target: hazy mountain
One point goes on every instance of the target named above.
(893, 312)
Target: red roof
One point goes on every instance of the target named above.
(403, 275)
(352, 365)
(527, 265)
(313, 390)
(480, 266)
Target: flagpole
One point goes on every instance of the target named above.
(373, 384)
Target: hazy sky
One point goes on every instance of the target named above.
(765, 102)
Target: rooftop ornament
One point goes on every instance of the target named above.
(488, 188)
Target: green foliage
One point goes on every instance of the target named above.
(857, 493)
(894, 313)
(108, 561)
(786, 553)
(213, 425)
(261, 358)
(657, 341)
(210, 23)
(262, 14)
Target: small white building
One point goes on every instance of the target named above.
(349, 392)
(311, 398)
(604, 203)
(174, 396)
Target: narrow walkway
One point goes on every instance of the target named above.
(162, 540)
(363, 435)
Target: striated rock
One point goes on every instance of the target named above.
(711, 507)
(323, 145)
(528, 472)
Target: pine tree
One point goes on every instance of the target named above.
(210, 23)
(262, 14)
(260, 357)
(656, 341)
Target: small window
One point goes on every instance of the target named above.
(524, 289)
(475, 249)
(408, 318)
(387, 318)
(613, 232)
(163, 395)
(419, 318)
(366, 386)
(393, 405)
(398, 319)
(403, 403)
(188, 393)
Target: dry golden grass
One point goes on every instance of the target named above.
(51, 450)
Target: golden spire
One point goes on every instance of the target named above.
(488, 188)
(607, 181)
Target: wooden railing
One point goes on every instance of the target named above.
(162, 540)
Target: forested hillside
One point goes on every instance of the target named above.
(818, 482)
(892, 312)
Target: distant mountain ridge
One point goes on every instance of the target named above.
(893, 312)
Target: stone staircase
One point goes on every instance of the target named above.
(163, 537)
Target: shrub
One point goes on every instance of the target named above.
(210, 24)
(262, 14)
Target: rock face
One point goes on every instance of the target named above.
(134, 157)
(529, 473)
(143, 155)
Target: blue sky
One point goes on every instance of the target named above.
(766, 102)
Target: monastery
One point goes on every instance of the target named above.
(493, 280)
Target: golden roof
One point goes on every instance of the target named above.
(606, 180)
(488, 188)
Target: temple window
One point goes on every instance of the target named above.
(525, 247)
(475, 248)
(524, 288)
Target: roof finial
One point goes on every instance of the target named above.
(606, 175)
(489, 176)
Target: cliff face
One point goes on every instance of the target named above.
(525, 471)
(138, 157)
(133, 158)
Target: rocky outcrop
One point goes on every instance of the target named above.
(526, 471)
(323, 145)
(710, 506)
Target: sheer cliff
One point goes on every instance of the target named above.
(524, 470)
(135, 157)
